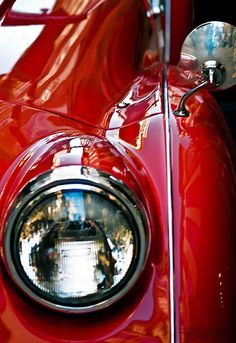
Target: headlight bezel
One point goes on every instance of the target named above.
(67, 178)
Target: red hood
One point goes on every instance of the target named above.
(83, 70)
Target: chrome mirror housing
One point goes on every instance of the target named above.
(208, 57)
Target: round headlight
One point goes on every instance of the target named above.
(75, 243)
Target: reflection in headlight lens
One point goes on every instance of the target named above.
(77, 245)
(75, 242)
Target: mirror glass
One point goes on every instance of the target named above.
(210, 41)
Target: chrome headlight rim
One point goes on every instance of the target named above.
(66, 179)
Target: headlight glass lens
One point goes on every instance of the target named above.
(77, 246)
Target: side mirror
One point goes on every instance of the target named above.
(208, 57)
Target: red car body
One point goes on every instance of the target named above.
(90, 76)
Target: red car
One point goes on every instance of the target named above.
(117, 173)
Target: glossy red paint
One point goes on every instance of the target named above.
(180, 25)
(87, 82)
(127, 159)
(40, 141)
(111, 38)
(204, 198)
(5, 6)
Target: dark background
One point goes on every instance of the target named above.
(208, 10)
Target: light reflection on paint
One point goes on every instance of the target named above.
(13, 52)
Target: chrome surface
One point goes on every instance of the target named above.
(167, 30)
(160, 39)
(157, 41)
(213, 72)
(170, 209)
(39, 202)
(208, 58)
(211, 41)
(157, 6)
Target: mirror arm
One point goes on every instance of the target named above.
(181, 110)
(213, 74)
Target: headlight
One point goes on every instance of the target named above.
(75, 240)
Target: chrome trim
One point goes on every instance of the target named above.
(167, 31)
(75, 177)
(157, 6)
(170, 208)
(155, 12)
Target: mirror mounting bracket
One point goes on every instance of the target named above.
(213, 75)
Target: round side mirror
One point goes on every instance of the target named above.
(211, 45)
